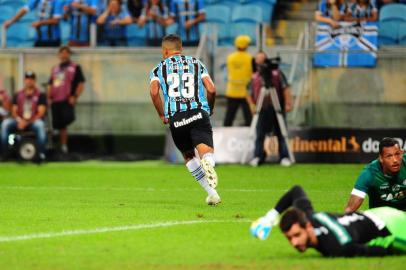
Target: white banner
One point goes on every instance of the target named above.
(231, 144)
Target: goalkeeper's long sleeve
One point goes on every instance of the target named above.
(295, 197)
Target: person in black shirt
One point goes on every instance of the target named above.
(376, 232)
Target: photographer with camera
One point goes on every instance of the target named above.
(267, 74)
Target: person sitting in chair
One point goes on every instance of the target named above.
(27, 113)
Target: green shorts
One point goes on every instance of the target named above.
(395, 221)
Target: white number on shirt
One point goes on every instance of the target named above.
(188, 83)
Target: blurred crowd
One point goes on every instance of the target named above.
(334, 11)
(112, 18)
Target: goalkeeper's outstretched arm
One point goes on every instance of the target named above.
(295, 197)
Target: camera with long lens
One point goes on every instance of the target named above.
(266, 70)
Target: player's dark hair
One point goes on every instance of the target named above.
(293, 216)
(387, 142)
(174, 39)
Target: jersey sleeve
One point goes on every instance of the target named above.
(203, 70)
(153, 76)
(93, 4)
(201, 7)
(295, 197)
(58, 9)
(32, 4)
(321, 8)
(362, 184)
(173, 10)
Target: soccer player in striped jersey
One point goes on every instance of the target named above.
(186, 109)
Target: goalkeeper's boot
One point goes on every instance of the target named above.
(213, 199)
(211, 175)
(261, 228)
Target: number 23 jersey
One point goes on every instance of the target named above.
(180, 78)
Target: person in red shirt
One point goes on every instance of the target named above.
(27, 113)
(66, 84)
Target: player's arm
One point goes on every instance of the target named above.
(354, 203)
(359, 191)
(156, 99)
(294, 197)
(211, 91)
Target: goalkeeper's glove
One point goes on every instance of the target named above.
(261, 228)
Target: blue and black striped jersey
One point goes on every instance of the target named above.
(180, 78)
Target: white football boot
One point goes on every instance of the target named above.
(213, 199)
(211, 175)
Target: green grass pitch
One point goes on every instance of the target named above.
(151, 215)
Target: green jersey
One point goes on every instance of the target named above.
(382, 190)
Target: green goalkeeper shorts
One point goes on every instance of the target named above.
(395, 221)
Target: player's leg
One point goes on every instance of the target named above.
(202, 138)
(196, 169)
(395, 222)
(182, 139)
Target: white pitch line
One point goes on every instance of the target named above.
(110, 229)
(129, 189)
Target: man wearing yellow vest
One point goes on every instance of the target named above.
(239, 66)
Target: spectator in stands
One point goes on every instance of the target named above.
(81, 14)
(66, 84)
(4, 105)
(114, 20)
(267, 73)
(135, 8)
(187, 14)
(362, 10)
(27, 113)
(154, 15)
(330, 12)
(49, 13)
(239, 67)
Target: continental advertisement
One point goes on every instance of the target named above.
(340, 145)
(235, 145)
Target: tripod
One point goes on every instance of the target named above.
(271, 92)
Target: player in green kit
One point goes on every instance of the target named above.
(383, 180)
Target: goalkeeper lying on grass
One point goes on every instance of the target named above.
(375, 232)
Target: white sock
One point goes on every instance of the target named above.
(272, 216)
(198, 173)
(210, 158)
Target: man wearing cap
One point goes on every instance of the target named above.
(27, 113)
(66, 83)
(239, 66)
(47, 26)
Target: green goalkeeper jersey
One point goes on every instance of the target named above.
(382, 190)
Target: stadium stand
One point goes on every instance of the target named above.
(388, 33)
(393, 13)
(265, 5)
(218, 17)
(402, 34)
(20, 35)
(136, 36)
(390, 18)
(65, 32)
(243, 23)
